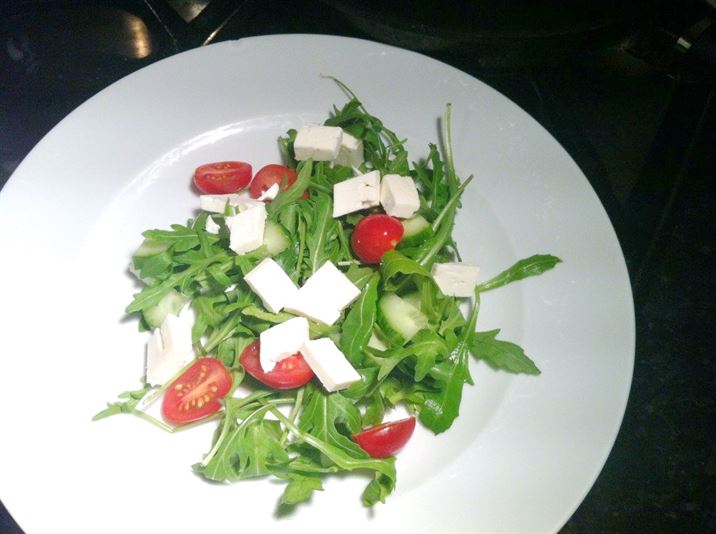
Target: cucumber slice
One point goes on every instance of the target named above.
(413, 299)
(399, 319)
(172, 302)
(415, 230)
(276, 240)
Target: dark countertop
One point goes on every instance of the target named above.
(643, 130)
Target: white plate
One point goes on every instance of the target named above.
(524, 451)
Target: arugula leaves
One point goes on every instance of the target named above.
(358, 325)
(532, 266)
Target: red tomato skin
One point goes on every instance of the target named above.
(290, 373)
(374, 235)
(270, 175)
(222, 177)
(386, 439)
(197, 393)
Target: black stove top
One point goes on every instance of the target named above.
(626, 87)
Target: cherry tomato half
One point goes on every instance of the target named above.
(385, 440)
(270, 175)
(290, 373)
(197, 392)
(374, 235)
(222, 177)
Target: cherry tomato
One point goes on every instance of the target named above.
(385, 440)
(374, 235)
(290, 373)
(197, 392)
(222, 177)
(270, 175)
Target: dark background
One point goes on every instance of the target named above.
(626, 87)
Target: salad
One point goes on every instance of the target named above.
(304, 303)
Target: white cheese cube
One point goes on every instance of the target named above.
(329, 363)
(399, 196)
(176, 333)
(217, 203)
(324, 295)
(456, 279)
(246, 230)
(350, 154)
(169, 349)
(269, 281)
(281, 341)
(211, 226)
(316, 310)
(319, 143)
(356, 193)
(270, 194)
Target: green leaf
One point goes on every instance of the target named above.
(151, 295)
(154, 266)
(532, 266)
(442, 226)
(359, 275)
(299, 488)
(251, 449)
(426, 348)
(127, 406)
(379, 488)
(359, 322)
(502, 355)
(321, 233)
(180, 237)
(293, 193)
(440, 409)
(394, 263)
(349, 460)
(322, 412)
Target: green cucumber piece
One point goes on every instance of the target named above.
(172, 302)
(276, 240)
(399, 319)
(413, 299)
(415, 230)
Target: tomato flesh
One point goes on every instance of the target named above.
(374, 235)
(197, 392)
(222, 177)
(385, 440)
(290, 373)
(270, 175)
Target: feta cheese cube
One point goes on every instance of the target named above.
(356, 193)
(319, 143)
(269, 281)
(211, 226)
(270, 194)
(456, 279)
(350, 154)
(329, 363)
(246, 230)
(176, 333)
(324, 295)
(315, 310)
(217, 203)
(281, 341)
(399, 196)
(169, 349)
